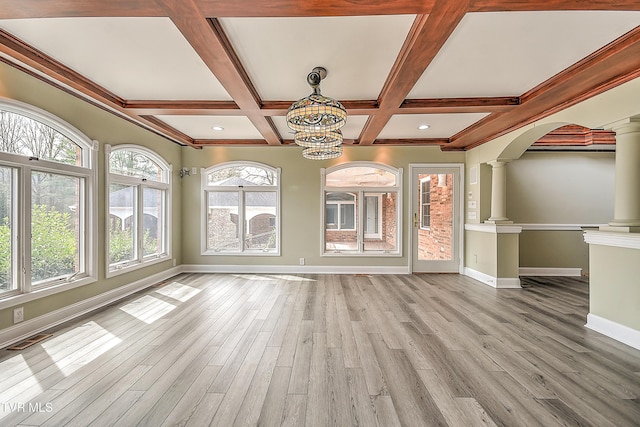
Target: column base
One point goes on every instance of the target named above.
(498, 221)
(620, 228)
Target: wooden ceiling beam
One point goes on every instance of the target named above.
(45, 68)
(426, 37)
(614, 64)
(208, 40)
(550, 5)
(20, 9)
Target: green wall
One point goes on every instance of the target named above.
(104, 127)
(301, 200)
(614, 293)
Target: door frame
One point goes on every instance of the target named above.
(458, 210)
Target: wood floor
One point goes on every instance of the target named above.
(328, 350)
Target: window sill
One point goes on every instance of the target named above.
(136, 266)
(241, 254)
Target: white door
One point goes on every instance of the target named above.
(435, 210)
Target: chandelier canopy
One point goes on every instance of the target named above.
(316, 120)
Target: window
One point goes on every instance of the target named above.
(361, 209)
(47, 174)
(341, 211)
(425, 203)
(242, 209)
(138, 208)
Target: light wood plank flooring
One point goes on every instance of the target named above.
(328, 350)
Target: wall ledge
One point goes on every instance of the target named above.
(494, 228)
(495, 282)
(613, 238)
(550, 271)
(557, 227)
(614, 330)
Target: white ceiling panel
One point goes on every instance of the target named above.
(508, 53)
(135, 58)
(440, 125)
(201, 127)
(358, 53)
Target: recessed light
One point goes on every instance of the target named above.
(423, 127)
(218, 128)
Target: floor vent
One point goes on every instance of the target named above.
(29, 342)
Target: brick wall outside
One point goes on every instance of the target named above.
(435, 243)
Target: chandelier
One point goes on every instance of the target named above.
(316, 120)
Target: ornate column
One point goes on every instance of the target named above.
(498, 193)
(627, 179)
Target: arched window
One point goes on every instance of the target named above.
(47, 187)
(138, 228)
(362, 209)
(242, 209)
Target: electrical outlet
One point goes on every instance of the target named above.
(18, 314)
(301, 261)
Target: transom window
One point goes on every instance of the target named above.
(361, 209)
(138, 208)
(47, 171)
(242, 209)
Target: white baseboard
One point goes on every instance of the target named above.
(549, 271)
(496, 282)
(33, 326)
(295, 269)
(618, 332)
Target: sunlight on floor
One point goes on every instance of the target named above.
(19, 385)
(90, 342)
(148, 309)
(273, 277)
(179, 291)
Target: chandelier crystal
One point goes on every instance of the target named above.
(316, 120)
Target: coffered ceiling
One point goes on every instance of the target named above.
(470, 69)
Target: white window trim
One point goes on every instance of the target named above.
(360, 192)
(206, 188)
(89, 171)
(141, 261)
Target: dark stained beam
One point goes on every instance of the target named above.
(532, 5)
(614, 64)
(26, 58)
(212, 45)
(16, 9)
(426, 37)
(412, 142)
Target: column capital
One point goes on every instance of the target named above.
(628, 125)
(498, 163)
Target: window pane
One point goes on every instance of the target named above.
(241, 175)
(56, 214)
(331, 216)
(153, 221)
(133, 163)
(25, 136)
(122, 223)
(361, 176)
(340, 224)
(347, 216)
(222, 221)
(260, 215)
(387, 226)
(7, 231)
